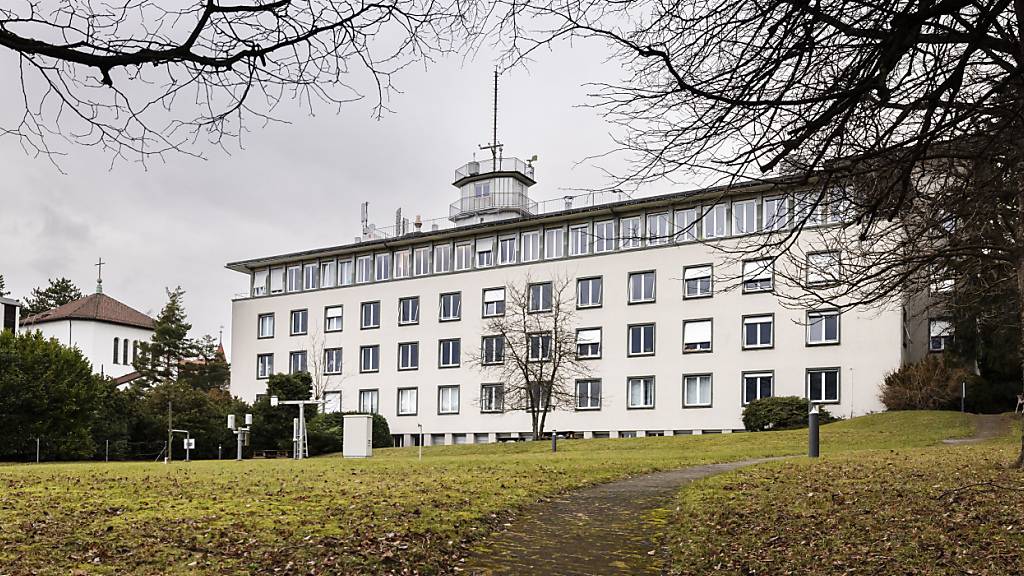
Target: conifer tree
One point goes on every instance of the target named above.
(3, 289)
(160, 359)
(58, 293)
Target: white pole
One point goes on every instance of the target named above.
(420, 426)
(302, 430)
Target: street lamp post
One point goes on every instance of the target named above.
(241, 432)
(813, 443)
(302, 447)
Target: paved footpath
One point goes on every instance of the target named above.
(596, 531)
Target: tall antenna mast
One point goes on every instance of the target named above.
(494, 146)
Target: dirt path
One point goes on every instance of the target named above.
(986, 427)
(594, 532)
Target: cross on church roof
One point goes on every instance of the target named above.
(99, 276)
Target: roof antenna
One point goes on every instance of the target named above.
(494, 145)
(99, 275)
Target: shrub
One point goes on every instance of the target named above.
(932, 383)
(780, 413)
(326, 432)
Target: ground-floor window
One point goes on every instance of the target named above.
(757, 385)
(696, 390)
(408, 400)
(823, 385)
(369, 401)
(640, 392)
(588, 394)
(447, 399)
(492, 398)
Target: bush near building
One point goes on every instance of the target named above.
(780, 413)
(932, 383)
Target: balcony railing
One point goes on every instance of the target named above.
(500, 202)
(499, 165)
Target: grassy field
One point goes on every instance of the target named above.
(390, 514)
(936, 510)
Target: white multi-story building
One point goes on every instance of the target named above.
(686, 332)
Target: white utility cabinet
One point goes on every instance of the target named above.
(358, 432)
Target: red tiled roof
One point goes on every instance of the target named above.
(129, 377)
(98, 307)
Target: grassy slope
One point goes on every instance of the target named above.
(387, 514)
(937, 510)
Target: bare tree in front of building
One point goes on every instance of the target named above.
(532, 349)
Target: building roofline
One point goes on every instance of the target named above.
(10, 302)
(611, 208)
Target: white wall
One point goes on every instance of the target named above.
(870, 345)
(96, 342)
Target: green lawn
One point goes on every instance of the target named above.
(936, 510)
(382, 515)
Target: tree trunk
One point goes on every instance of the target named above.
(1020, 302)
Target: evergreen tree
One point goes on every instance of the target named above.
(58, 293)
(160, 359)
(272, 426)
(3, 289)
(208, 370)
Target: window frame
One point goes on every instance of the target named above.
(349, 278)
(515, 250)
(629, 339)
(944, 338)
(446, 262)
(401, 310)
(712, 212)
(823, 314)
(659, 217)
(259, 325)
(537, 234)
(362, 365)
(362, 315)
(600, 343)
(401, 260)
(500, 409)
(270, 365)
(477, 252)
(631, 242)
(600, 394)
(584, 245)
(743, 331)
(329, 273)
(458, 399)
(288, 278)
(360, 261)
(457, 309)
(711, 341)
(291, 322)
(824, 282)
(440, 353)
(483, 356)
(341, 316)
(560, 232)
(579, 286)
(755, 374)
(292, 355)
(376, 400)
(839, 384)
(775, 224)
(607, 244)
(416, 401)
(770, 268)
(484, 302)
(327, 352)
(710, 277)
(629, 287)
(382, 263)
(529, 346)
(529, 298)
(398, 361)
(711, 390)
(416, 273)
(749, 208)
(654, 398)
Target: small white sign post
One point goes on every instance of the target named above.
(358, 436)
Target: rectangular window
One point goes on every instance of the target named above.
(332, 361)
(823, 327)
(259, 282)
(539, 347)
(449, 353)
(838, 204)
(588, 394)
(507, 251)
(554, 243)
(579, 240)
(697, 281)
(369, 316)
(823, 385)
(631, 232)
(297, 362)
(775, 213)
(604, 236)
(264, 366)
(383, 261)
(369, 358)
(346, 272)
(300, 322)
(658, 229)
(447, 399)
(421, 261)
(744, 217)
(403, 264)
(364, 269)
(758, 331)
(539, 297)
(940, 334)
(696, 390)
(276, 280)
(641, 287)
(809, 209)
(494, 302)
(369, 401)
(333, 319)
(530, 246)
(758, 275)
(484, 252)
(294, 278)
(589, 292)
(492, 398)
(823, 268)
(942, 281)
(640, 392)
(332, 401)
(408, 310)
(442, 258)
(716, 221)
(588, 343)
(328, 274)
(757, 385)
(641, 339)
(687, 225)
(451, 307)
(492, 350)
(408, 401)
(408, 355)
(265, 326)
(463, 256)
(697, 335)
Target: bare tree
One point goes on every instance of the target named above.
(531, 349)
(211, 64)
(317, 363)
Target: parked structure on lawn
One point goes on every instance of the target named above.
(682, 332)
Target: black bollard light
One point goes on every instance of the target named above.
(813, 443)
(554, 440)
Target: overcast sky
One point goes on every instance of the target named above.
(293, 187)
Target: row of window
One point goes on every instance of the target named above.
(121, 347)
(642, 288)
(653, 229)
(821, 386)
(822, 328)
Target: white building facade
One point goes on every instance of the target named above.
(106, 331)
(680, 331)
